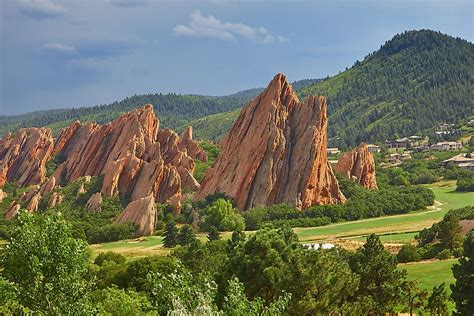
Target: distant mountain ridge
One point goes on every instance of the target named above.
(174, 110)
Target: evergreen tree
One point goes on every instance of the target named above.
(414, 297)
(450, 232)
(380, 280)
(463, 289)
(171, 235)
(438, 301)
(186, 236)
(213, 234)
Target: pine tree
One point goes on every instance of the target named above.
(438, 301)
(213, 234)
(380, 280)
(186, 236)
(450, 233)
(170, 237)
(463, 289)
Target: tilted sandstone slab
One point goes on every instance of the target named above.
(358, 164)
(276, 153)
(142, 213)
(13, 210)
(55, 199)
(23, 157)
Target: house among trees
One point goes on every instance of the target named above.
(373, 148)
(461, 161)
(445, 146)
(399, 143)
(397, 158)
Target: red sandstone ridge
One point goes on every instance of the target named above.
(23, 157)
(276, 153)
(136, 158)
(358, 164)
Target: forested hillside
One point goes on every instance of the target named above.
(415, 81)
(172, 109)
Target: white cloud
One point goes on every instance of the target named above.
(59, 48)
(210, 27)
(39, 9)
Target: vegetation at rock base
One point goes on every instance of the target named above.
(361, 203)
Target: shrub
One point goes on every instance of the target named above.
(112, 232)
(443, 254)
(109, 256)
(223, 216)
(408, 253)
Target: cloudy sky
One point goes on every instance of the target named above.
(56, 54)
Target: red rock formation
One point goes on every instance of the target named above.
(56, 199)
(23, 157)
(142, 213)
(136, 158)
(276, 153)
(358, 164)
(187, 143)
(34, 203)
(47, 186)
(94, 202)
(13, 210)
(2, 195)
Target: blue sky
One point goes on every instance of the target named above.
(57, 54)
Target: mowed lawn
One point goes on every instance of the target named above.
(392, 229)
(396, 228)
(430, 274)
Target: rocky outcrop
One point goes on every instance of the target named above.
(187, 143)
(142, 213)
(81, 190)
(94, 202)
(23, 157)
(358, 164)
(47, 186)
(2, 195)
(276, 153)
(33, 204)
(13, 210)
(55, 199)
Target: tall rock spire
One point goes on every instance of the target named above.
(276, 153)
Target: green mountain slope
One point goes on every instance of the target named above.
(173, 110)
(416, 81)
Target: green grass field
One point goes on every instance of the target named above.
(430, 273)
(391, 227)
